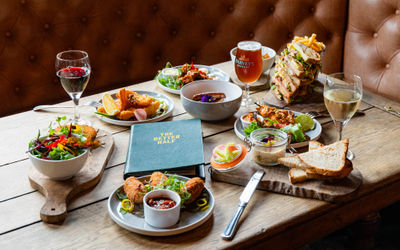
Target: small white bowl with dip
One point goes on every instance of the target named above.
(268, 144)
(161, 217)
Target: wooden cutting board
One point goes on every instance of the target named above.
(276, 180)
(59, 193)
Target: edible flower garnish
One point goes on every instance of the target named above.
(268, 140)
(207, 98)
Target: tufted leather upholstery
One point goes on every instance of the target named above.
(372, 46)
(128, 41)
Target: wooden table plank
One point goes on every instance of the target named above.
(371, 179)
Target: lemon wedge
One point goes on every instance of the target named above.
(110, 105)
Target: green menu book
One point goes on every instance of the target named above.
(173, 146)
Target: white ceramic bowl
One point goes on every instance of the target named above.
(162, 218)
(59, 169)
(267, 63)
(211, 111)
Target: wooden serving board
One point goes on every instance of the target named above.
(276, 179)
(59, 193)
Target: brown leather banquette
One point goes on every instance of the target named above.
(128, 41)
(372, 47)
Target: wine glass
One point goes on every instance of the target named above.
(73, 69)
(342, 97)
(248, 66)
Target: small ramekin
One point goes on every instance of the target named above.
(162, 218)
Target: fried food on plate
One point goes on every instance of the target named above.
(132, 105)
(194, 186)
(157, 178)
(134, 189)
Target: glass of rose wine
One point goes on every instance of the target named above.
(73, 69)
(248, 66)
(342, 97)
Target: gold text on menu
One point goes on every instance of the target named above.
(166, 138)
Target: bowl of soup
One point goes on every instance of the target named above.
(211, 100)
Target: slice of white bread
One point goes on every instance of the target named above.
(297, 175)
(294, 162)
(329, 160)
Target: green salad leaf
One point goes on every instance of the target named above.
(253, 126)
(296, 131)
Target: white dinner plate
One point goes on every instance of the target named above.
(187, 221)
(160, 96)
(214, 73)
(314, 134)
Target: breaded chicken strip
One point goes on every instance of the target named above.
(87, 131)
(134, 189)
(157, 178)
(194, 186)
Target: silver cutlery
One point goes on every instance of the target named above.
(244, 199)
(316, 114)
(90, 103)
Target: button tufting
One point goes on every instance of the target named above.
(375, 35)
(46, 26)
(212, 33)
(105, 41)
(174, 32)
(193, 7)
(56, 81)
(387, 66)
(32, 58)
(83, 19)
(158, 58)
(290, 35)
(230, 8)
(70, 48)
(271, 9)
(22, 2)
(155, 7)
(8, 34)
(118, 12)
(17, 89)
(139, 34)
(251, 35)
(312, 9)
(124, 62)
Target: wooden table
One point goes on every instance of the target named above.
(273, 220)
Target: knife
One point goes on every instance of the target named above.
(244, 199)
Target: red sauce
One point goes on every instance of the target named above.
(161, 203)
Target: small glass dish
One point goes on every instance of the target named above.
(268, 144)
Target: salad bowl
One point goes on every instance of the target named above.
(59, 169)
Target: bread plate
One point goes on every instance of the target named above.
(159, 96)
(213, 72)
(314, 133)
(188, 220)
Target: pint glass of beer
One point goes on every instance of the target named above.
(248, 66)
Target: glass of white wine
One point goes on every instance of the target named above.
(342, 97)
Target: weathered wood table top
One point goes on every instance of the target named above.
(276, 220)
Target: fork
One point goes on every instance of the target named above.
(89, 103)
(315, 114)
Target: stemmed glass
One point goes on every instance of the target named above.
(248, 66)
(342, 97)
(73, 69)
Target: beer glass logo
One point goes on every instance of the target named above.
(244, 63)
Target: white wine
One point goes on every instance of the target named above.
(342, 103)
